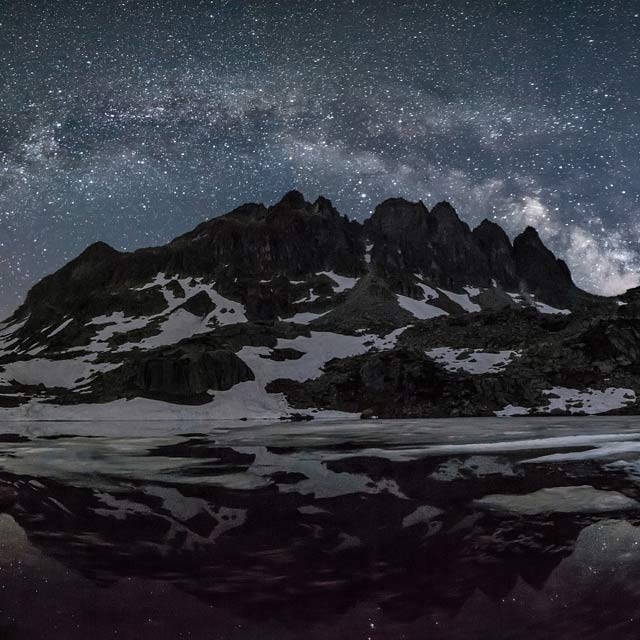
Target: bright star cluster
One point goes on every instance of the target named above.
(130, 121)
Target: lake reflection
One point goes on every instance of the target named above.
(424, 529)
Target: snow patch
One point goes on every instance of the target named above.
(110, 325)
(244, 400)
(176, 324)
(304, 318)
(423, 513)
(419, 309)
(575, 401)
(429, 293)
(463, 299)
(473, 361)
(310, 297)
(545, 308)
(541, 307)
(70, 373)
(472, 291)
(512, 410)
(590, 401)
(343, 283)
(250, 399)
(7, 336)
(60, 328)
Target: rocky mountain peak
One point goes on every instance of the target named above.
(543, 273)
(530, 236)
(98, 250)
(488, 228)
(324, 207)
(445, 213)
(292, 200)
(393, 218)
(496, 246)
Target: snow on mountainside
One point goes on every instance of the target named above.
(294, 310)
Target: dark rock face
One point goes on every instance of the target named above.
(372, 303)
(292, 237)
(403, 383)
(495, 245)
(199, 305)
(183, 374)
(409, 238)
(453, 249)
(618, 341)
(544, 274)
(392, 218)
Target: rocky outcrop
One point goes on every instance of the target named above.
(8, 496)
(186, 374)
(291, 238)
(191, 374)
(496, 247)
(405, 383)
(409, 238)
(543, 274)
(199, 305)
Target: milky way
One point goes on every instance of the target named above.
(131, 121)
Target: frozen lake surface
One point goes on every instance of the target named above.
(475, 528)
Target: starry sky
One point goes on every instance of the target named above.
(130, 121)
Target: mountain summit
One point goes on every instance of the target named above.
(294, 309)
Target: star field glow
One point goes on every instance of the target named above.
(131, 121)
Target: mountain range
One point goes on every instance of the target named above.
(295, 311)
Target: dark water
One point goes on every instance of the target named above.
(429, 529)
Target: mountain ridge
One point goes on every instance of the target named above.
(385, 226)
(293, 309)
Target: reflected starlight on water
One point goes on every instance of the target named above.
(343, 532)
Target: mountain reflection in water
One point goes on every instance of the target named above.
(424, 529)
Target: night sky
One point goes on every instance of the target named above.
(131, 121)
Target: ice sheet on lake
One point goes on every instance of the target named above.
(573, 499)
(473, 467)
(511, 410)
(423, 513)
